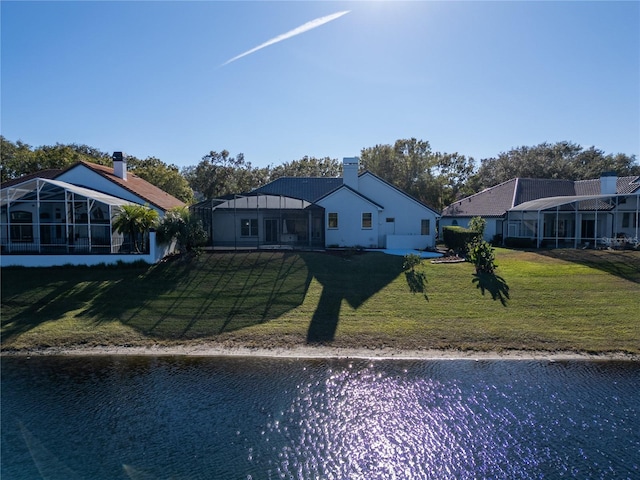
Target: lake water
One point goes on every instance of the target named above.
(240, 418)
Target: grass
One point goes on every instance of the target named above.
(556, 300)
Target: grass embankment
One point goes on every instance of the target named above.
(561, 300)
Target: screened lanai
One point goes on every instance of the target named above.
(257, 220)
(50, 216)
(578, 221)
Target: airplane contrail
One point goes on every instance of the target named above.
(292, 33)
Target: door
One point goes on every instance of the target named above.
(271, 230)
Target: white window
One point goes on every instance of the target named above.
(425, 226)
(249, 227)
(333, 220)
(366, 220)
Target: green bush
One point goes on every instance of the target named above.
(482, 255)
(411, 261)
(518, 242)
(457, 238)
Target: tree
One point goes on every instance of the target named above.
(562, 160)
(181, 224)
(219, 174)
(135, 221)
(307, 167)
(434, 178)
(163, 176)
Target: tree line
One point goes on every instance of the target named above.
(435, 178)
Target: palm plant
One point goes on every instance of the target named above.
(134, 221)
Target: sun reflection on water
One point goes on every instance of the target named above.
(362, 423)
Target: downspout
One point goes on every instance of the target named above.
(37, 223)
(66, 217)
(89, 206)
(575, 226)
(557, 223)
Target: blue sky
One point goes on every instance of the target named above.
(162, 78)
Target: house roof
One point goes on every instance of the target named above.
(305, 188)
(312, 189)
(593, 202)
(354, 192)
(134, 184)
(495, 201)
(50, 173)
(262, 202)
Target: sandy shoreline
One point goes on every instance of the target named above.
(204, 350)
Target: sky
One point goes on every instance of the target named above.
(277, 81)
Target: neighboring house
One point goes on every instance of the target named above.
(358, 210)
(555, 213)
(66, 216)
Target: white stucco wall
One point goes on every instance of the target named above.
(406, 212)
(157, 253)
(350, 208)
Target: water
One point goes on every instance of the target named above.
(230, 418)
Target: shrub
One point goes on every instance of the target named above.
(482, 255)
(518, 242)
(457, 238)
(411, 261)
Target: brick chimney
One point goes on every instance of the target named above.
(350, 172)
(120, 165)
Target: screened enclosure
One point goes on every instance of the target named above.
(50, 216)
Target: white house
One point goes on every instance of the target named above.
(66, 217)
(357, 210)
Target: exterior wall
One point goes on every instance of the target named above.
(83, 176)
(415, 242)
(350, 208)
(156, 253)
(406, 212)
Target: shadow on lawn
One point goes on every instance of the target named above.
(621, 263)
(195, 297)
(354, 278)
(494, 284)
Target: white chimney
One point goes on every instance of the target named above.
(350, 172)
(608, 183)
(120, 165)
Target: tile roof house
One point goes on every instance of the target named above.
(554, 212)
(57, 217)
(357, 210)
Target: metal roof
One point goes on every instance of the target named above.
(553, 202)
(263, 202)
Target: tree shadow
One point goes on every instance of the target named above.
(621, 263)
(417, 282)
(194, 297)
(354, 278)
(494, 284)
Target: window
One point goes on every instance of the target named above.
(249, 227)
(390, 220)
(366, 220)
(629, 219)
(21, 226)
(333, 220)
(425, 226)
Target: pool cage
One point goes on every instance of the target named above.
(53, 217)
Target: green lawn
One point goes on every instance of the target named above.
(569, 300)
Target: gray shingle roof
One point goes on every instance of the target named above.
(495, 201)
(305, 188)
